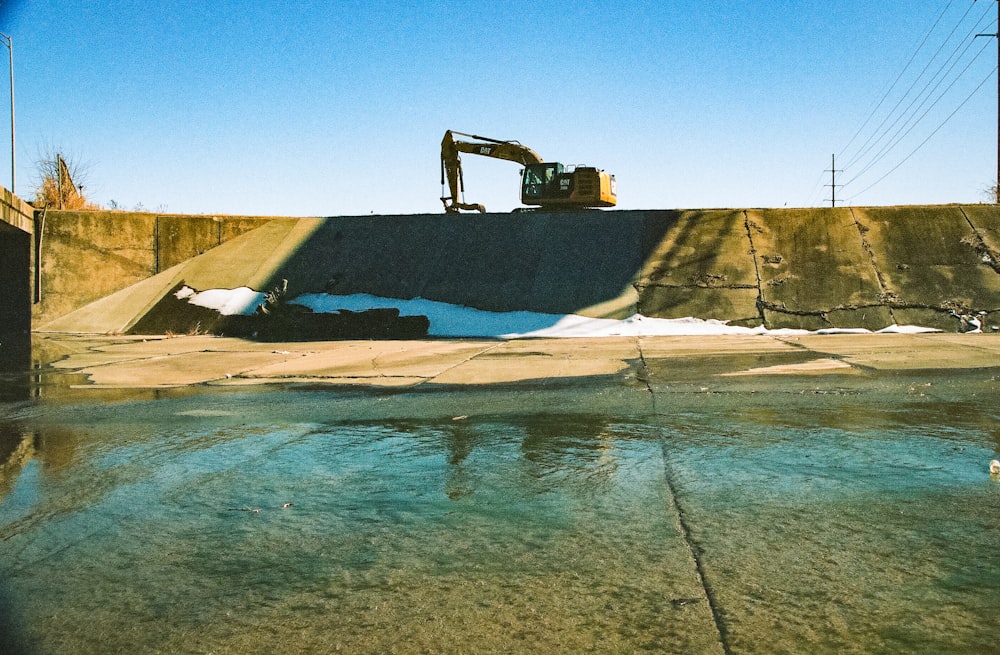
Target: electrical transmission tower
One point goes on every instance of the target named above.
(833, 178)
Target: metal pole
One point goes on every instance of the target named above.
(996, 189)
(9, 42)
(833, 179)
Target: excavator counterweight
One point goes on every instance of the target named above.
(547, 185)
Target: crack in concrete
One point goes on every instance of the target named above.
(884, 291)
(750, 226)
(645, 374)
(978, 244)
(465, 361)
(696, 555)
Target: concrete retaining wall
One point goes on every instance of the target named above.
(16, 272)
(810, 268)
(88, 255)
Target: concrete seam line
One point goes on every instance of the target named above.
(981, 248)
(685, 530)
(645, 373)
(466, 360)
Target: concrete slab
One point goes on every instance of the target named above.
(806, 264)
(658, 363)
(928, 257)
(115, 313)
(985, 220)
(907, 352)
(357, 360)
(700, 266)
(546, 359)
(685, 346)
(178, 370)
(815, 366)
(247, 260)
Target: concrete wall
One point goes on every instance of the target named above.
(809, 268)
(87, 255)
(16, 272)
(816, 268)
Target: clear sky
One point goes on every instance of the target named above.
(338, 108)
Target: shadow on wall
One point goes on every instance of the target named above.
(805, 268)
(15, 298)
(551, 263)
(544, 262)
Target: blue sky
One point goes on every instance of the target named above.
(338, 108)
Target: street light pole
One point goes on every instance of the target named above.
(996, 189)
(9, 43)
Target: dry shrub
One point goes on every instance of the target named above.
(57, 188)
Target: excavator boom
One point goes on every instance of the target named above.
(544, 184)
(451, 163)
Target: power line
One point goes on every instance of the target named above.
(906, 117)
(936, 130)
(915, 104)
(900, 134)
(892, 86)
(879, 134)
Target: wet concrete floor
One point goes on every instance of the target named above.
(689, 495)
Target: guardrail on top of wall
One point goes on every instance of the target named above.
(16, 212)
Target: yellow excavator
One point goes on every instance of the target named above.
(547, 185)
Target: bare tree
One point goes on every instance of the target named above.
(992, 193)
(61, 182)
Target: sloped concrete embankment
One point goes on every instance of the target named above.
(803, 268)
(89, 255)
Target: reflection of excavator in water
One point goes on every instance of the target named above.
(547, 185)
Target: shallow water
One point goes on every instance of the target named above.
(744, 525)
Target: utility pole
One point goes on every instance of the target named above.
(833, 178)
(996, 189)
(9, 44)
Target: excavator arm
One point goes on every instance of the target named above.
(451, 163)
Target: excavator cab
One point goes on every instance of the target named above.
(553, 186)
(538, 180)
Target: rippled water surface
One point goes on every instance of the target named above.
(284, 523)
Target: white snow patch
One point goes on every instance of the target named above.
(227, 302)
(906, 329)
(448, 320)
(186, 292)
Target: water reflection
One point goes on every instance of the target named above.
(459, 442)
(577, 447)
(16, 449)
(535, 533)
(15, 386)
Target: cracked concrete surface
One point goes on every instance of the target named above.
(857, 267)
(656, 364)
